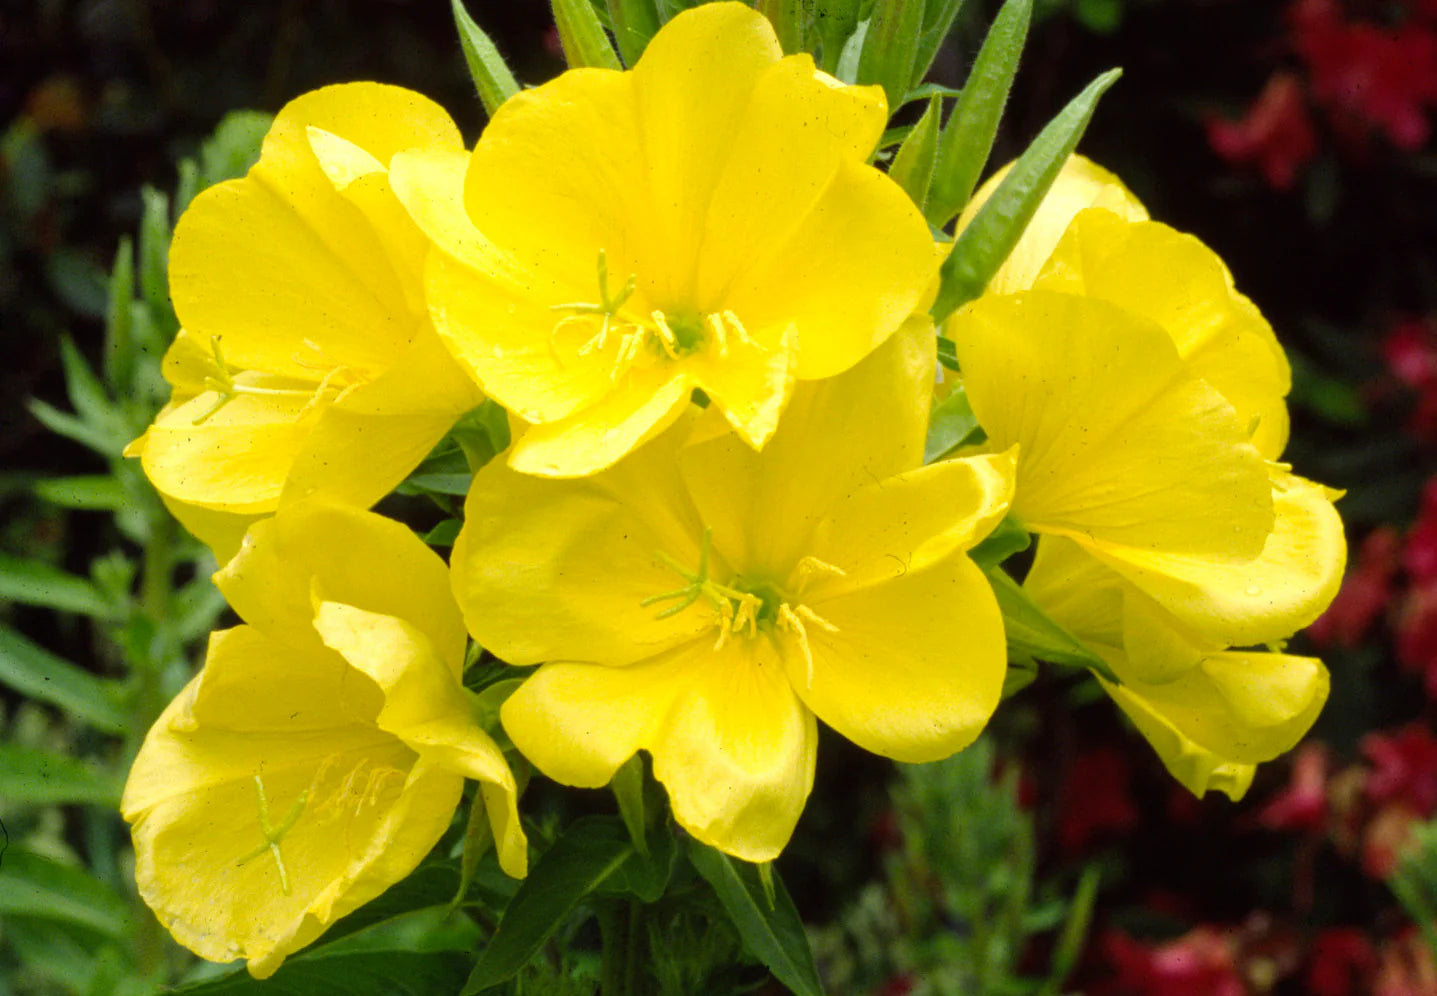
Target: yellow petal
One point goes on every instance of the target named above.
(1182, 285)
(374, 435)
(751, 385)
(731, 743)
(353, 557)
(641, 405)
(905, 523)
(222, 532)
(348, 812)
(1079, 592)
(571, 562)
(377, 118)
(914, 667)
(1119, 445)
(1081, 184)
(1237, 708)
(427, 708)
(836, 436)
(1284, 589)
(236, 459)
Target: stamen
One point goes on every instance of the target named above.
(810, 567)
(223, 383)
(274, 834)
(732, 320)
(789, 620)
(666, 335)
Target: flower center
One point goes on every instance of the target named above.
(748, 606)
(656, 336)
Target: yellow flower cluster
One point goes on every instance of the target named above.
(706, 314)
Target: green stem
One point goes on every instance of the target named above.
(622, 929)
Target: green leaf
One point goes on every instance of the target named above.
(1005, 540)
(1075, 931)
(231, 149)
(31, 582)
(628, 788)
(938, 18)
(890, 48)
(835, 21)
(436, 484)
(635, 22)
(153, 259)
(352, 973)
(97, 438)
(1033, 634)
(790, 20)
(582, 36)
(444, 534)
(41, 778)
(983, 245)
(96, 492)
(36, 672)
(39, 887)
(912, 167)
(78, 282)
(951, 424)
(119, 337)
(581, 860)
(91, 400)
(490, 73)
(968, 139)
(772, 933)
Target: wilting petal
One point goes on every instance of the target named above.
(1182, 285)
(1119, 445)
(1080, 185)
(912, 668)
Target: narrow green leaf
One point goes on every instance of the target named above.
(62, 424)
(350, 973)
(791, 21)
(119, 337)
(152, 262)
(436, 484)
(91, 400)
(444, 534)
(188, 184)
(1033, 634)
(912, 167)
(478, 841)
(983, 245)
(890, 48)
(487, 67)
(1075, 931)
(1006, 539)
(96, 492)
(32, 582)
(938, 18)
(628, 788)
(34, 671)
(951, 424)
(968, 139)
(635, 22)
(41, 778)
(582, 36)
(231, 149)
(835, 22)
(772, 933)
(42, 888)
(578, 864)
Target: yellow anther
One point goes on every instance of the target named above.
(738, 330)
(274, 834)
(810, 567)
(665, 334)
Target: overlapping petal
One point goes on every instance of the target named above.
(1120, 446)
(719, 190)
(304, 771)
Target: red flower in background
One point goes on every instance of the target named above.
(1366, 591)
(1302, 806)
(1403, 768)
(1275, 135)
(1382, 76)
(1406, 968)
(1410, 350)
(1203, 962)
(1342, 961)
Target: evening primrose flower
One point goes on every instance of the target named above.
(1211, 713)
(307, 363)
(705, 221)
(704, 602)
(1146, 396)
(322, 750)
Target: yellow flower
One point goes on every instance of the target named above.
(706, 220)
(704, 602)
(307, 363)
(1146, 396)
(1212, 714)
(320, 753)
